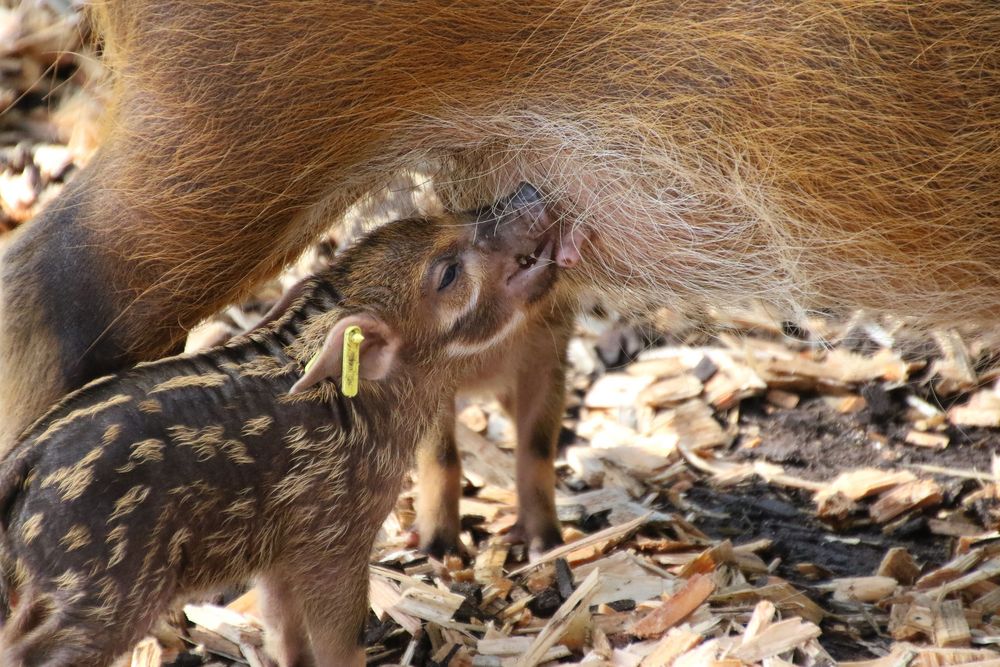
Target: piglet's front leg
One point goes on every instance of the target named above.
(439, 487)
(538, 405)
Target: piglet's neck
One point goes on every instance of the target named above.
(319, 297)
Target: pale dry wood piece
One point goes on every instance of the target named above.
(231, 625)
(951, 570)
(953, 472)
(789, 600)
(607, 429)
(777, 638)
(540, 579)
(926, 410)
(19, 192)
(861, 589)
(600, 644)
(587, 547)
(671, 391)
(674, 644)
(984, 572)
(625, 577)
(496, 494)
(514, 610)
(477, 507)
(473, 417)
(553, 630)
(929, 440)
(498, 589)
(147, 653)
(555, 654)
(733, 381)
(577, 633)
(613, 622)
(421, 600)
(836, 509)
(616, 477)
(950, 625)
(864, 482)
(983, 409)
(846, 405)
(954, 369)
(899, 564)
(490, 562)
(782, 399)
(587, 464)
(988, 603)
(761, 618)
(616, 390)
(919, 619)
(256, 656)
(214, 642)
(504, 646)
(909, 655)
(662, 367)
(955, 525)
(690, 425)
(645, 460)
(840, 368)
(775, 474)
(898, 626)
(709, 560)
(707, 654)
(246, 604)
(383, 597)
(675, 608)
(482, 461)
(920, 494)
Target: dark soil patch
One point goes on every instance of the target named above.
(817, 443)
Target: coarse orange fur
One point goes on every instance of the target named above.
(814, 153)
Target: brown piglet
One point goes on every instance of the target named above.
(201, 471)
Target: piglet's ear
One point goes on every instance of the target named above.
(379, 352)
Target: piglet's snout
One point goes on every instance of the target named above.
(522, 227)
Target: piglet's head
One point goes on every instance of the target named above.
(440, 291)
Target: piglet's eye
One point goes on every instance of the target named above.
(449, 275)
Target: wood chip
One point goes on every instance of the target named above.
(674, 644)
(147, 653)
(675, 608)
(671, 391)
(950, 626)
(587, 546)
(929, 440)
(915, 495)
(899, 564)
(776, 639)
(864, 482)
(861, 589)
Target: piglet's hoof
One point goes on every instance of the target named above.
(437, 547)
(545, 539)
(412, 538)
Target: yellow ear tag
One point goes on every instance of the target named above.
(310, 363)
(351, 361)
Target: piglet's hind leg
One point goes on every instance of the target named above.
(285, 636)
(335, 604)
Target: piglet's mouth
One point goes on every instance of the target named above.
(551, 252)
(542, 251)
(538, 261)
(561, 251)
